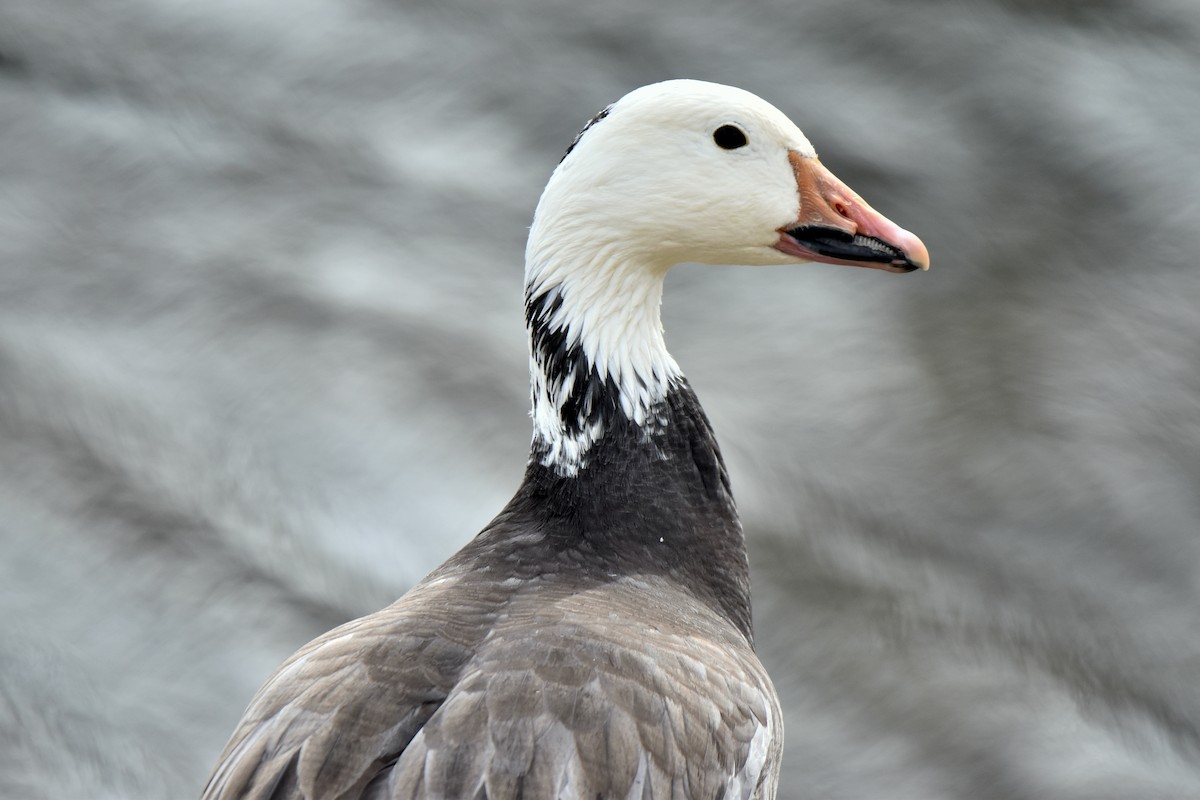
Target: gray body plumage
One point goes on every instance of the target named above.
(536, 696)
(592, 642)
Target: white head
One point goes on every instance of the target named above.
(680, 171)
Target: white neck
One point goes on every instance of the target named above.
(599, 303)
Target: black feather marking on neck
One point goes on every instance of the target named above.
(603, 113)
(632, 512)
(589, 399)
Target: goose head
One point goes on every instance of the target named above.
(680, 171)
(689, 171)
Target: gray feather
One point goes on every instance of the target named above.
(558, 701)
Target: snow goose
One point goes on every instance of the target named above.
(594, 641)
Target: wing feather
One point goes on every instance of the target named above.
(544, 700)
(339, 711)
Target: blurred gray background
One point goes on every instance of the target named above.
(262, 366)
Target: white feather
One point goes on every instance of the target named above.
(643, 189)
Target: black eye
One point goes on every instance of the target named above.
(729, 137)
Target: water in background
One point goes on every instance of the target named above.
(262, 367)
